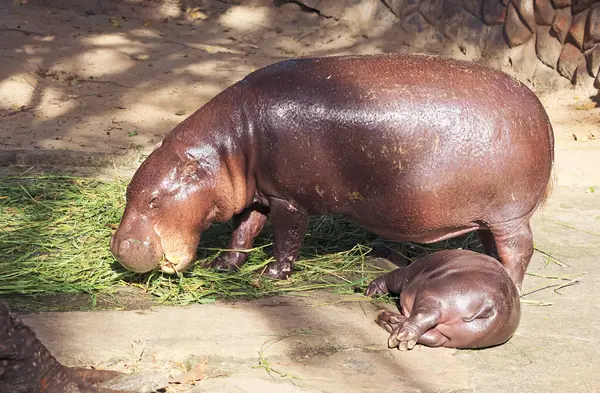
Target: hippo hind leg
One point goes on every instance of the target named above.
(514, 245)
(424, 317)
(390, 321)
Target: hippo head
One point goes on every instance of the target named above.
(169, 203)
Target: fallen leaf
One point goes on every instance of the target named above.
(180, 112)
(215, 49)
(586, 107)
(142, 57)
(197, 14)
(195, 374)
(115, 22)
(147, 23)
(591, 190)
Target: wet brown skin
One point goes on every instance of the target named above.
(451, 298)
(412, 147)
(26, 366)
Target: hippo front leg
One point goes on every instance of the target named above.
(289, 222)
(390, 282)
(247, 226)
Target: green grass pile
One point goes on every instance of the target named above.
(55, 231)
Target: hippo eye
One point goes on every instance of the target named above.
(153, 203)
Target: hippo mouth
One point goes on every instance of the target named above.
(174, 265)
(168, 267)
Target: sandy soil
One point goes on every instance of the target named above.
(114, 80)
(118, 79)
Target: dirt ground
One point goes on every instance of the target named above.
(83, 88)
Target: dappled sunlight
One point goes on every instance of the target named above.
(31, 50)
(15, 92)
(244, 18)
(112, 83)
(169, 10)
(223, 69)
(145, 32)
(104, 62)
(117, 39)
(150, 64)
(98, 83)
(53, 103)
(164, 99)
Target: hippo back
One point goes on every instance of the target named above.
(455, 141)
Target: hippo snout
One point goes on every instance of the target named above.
(139, 256)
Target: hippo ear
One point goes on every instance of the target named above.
(159, 144)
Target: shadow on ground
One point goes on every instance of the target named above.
(119, 78)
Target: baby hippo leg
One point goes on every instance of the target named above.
(391, 321)
(418, 327)
(390, 282)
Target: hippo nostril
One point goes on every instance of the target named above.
(124, 246)
(139, 256)
(129, 247)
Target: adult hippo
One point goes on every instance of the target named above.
(451, 298)
(412, 147)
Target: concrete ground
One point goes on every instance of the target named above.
(331, 344)
(79, 94)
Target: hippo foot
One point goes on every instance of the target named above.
(389, 320)
(278, 270)
(228, 261)
(401, 334)
(377, 287)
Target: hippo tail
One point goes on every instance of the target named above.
(549, 187)
(553, 176)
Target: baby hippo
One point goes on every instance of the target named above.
(451, 298)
